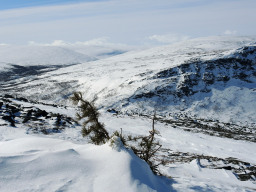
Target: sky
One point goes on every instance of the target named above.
(131, 22)
(12, 4)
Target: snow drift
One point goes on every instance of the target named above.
(30, 163)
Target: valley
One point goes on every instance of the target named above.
(203, 92)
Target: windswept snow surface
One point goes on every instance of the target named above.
(192, 176)
(66, 162)
(32, 163)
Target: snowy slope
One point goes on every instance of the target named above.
(97, 48)
(40, 55)
(210, 78)
(64, 161)
(30, 163)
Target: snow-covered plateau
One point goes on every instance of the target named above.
(203, 92)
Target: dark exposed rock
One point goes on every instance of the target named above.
(208, 78)
(167, 73)
(40, 113)
(184, 89)
(28, 116)
(10, 119)
(39, 121)
(23, 99)
(197, 76)
(112, 111)
(222, 78)
(8, 96)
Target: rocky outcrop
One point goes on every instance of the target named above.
(37, 120)
(201, 76)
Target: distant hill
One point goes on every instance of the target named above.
(40, 55)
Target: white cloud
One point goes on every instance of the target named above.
(169, 38)
(230, 32)
(97, 48)
(95, 42)
(126, 21)
(102, 42)
(57, 43)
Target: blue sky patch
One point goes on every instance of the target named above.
(13, 4)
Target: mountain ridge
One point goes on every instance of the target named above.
(164, 78)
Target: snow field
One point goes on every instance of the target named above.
(31, 163)
(65, 162)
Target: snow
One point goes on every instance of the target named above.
(179, 140)
(115, 80)
(32, 163)
(66, 162)
(232, 104)
(97, 48)
(31, 55)
(196, 178)
(4, 66)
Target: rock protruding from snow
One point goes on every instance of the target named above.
(207, 78)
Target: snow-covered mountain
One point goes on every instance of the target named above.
(32, 55)
(203, 92)
(209, 78)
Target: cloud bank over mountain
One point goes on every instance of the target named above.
(127, 21)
